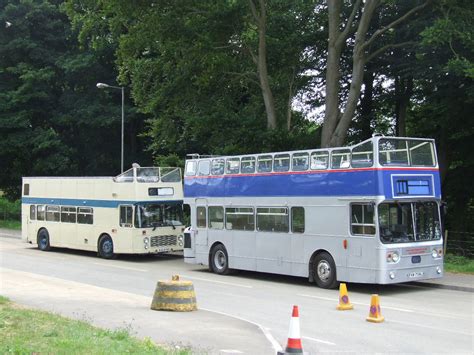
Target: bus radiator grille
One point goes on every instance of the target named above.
(163, 240)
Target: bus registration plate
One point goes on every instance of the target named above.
(162, 249)
(415, 274)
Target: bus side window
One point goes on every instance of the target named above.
(319, 160)
(68, 214)
(204, 167)
(340, 158)
(40, 212)
(272, 219)
(247, 165)
(85, 215)
(26, 189)
(281, 162)
(297, 219)
(52, 213)
(217, 167)
(126, 215)
(32, 212)
(232, 166)
(300, 161)
(264, 163)
(216, 217)
(201, 217)
(191, 167)
(362, 219)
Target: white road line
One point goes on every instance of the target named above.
(276, 346)
(230, 351)
(383, 306)
(318, 340)
(414, 326)
(121, 267)
(215, 281)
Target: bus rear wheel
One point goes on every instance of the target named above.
(106, 247)
(43, 240)
(219, 260)
(325, 271)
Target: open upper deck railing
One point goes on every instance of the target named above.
(376, 151)
(150, 175)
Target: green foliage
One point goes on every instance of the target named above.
(53, 119)
(10, 213)
(461, 264)
(30, 331)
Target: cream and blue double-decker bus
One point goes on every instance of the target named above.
(137, 212)
(367, 213)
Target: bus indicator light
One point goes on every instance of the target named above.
(114, 230)
(344, 243)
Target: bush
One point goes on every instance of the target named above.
(10, 210)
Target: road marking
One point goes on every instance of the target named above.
(414, 325)
(276, 346)
(230, 351)
(215, 281)
(436, 314)
(121, 267)
(319, 341)
(359, 303)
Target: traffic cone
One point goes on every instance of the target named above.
(375, 315)
(344, 303)
(294, 339)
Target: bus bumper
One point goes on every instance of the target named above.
(410, 274)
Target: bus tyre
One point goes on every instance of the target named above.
(219, 260)
(325, 271)
(43, 240)
(106, 247)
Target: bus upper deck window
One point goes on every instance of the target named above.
(300, 161)
(281, 162)
(363, 155)
(204, 167)
(232, 166)
(191, 167)
(26, 189)
(319, 160)
(265, 163)
(340, 158)
(247, 166)
(217, 167)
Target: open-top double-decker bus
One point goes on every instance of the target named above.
(137, 212)
(368, 213)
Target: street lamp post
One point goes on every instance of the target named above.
(106, 86)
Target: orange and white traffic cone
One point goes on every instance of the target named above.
(294, 338)
(375, 315)
(344, 303)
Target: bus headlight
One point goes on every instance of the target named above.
(437, 253)
(145, 242)
(180, 240)
(393, 257)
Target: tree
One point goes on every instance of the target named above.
(337, 121)
(53, 120)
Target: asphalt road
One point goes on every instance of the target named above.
(241, 313)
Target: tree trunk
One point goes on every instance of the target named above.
(367, 106)
(261, 21)
(403, 93)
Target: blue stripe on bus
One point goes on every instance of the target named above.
(373, 182)
(87, 203)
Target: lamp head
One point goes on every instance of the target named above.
(102, 85)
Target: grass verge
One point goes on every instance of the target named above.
(460, 264)
(26, 331)
(10, 224)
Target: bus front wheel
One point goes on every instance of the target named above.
(106, 247)
(325, 271)
(43, 240)
(219, 260)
